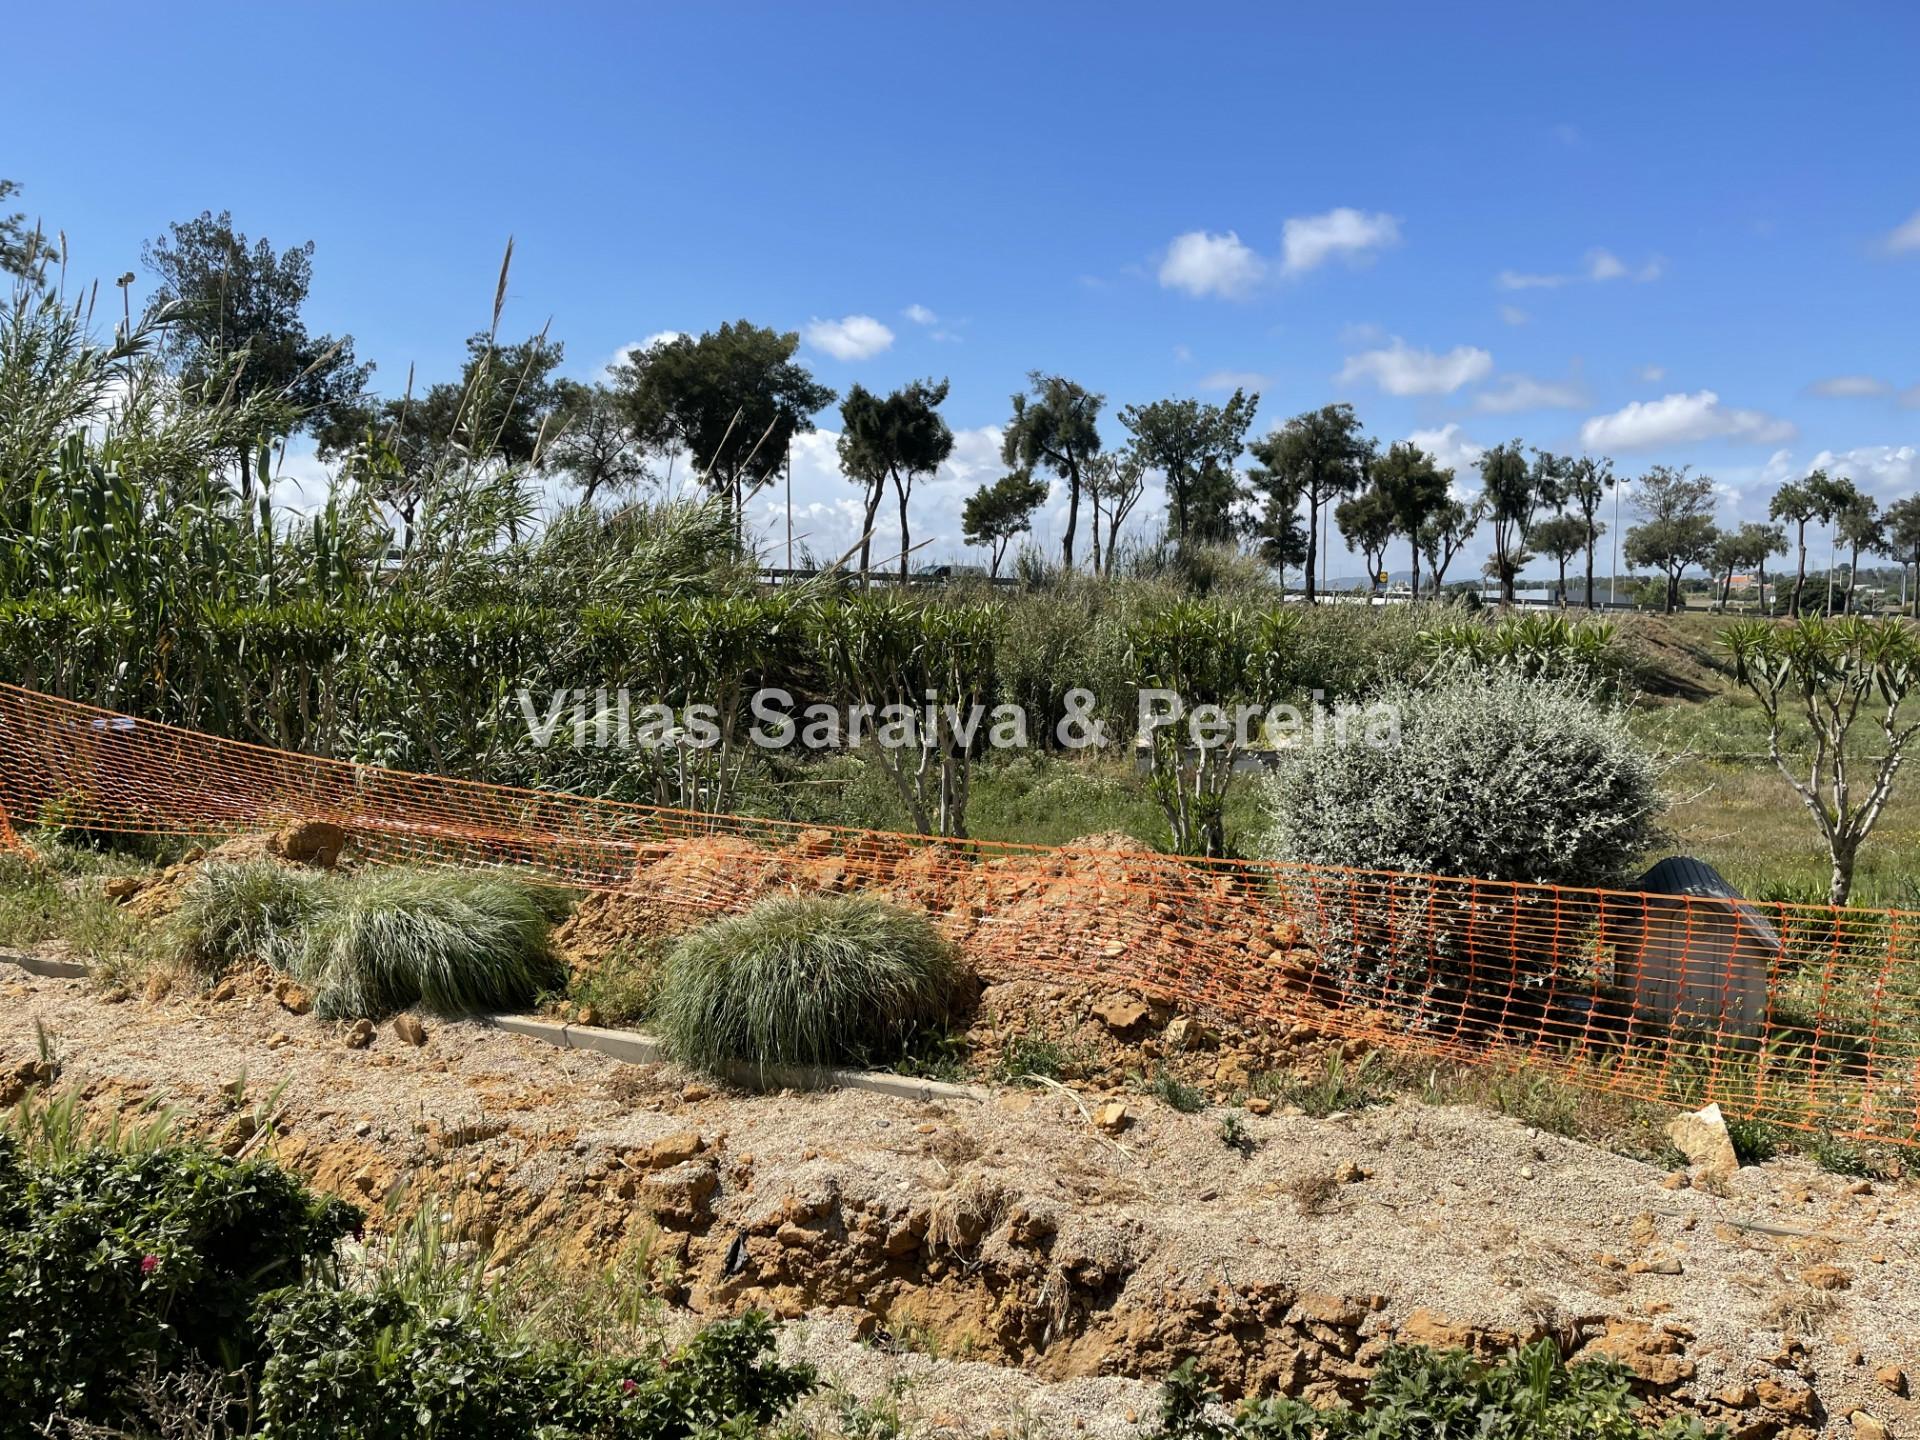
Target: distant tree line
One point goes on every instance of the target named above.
(229, 316)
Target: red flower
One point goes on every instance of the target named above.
(628, 1386)
(149, 1264)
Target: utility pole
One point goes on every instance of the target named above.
(789, 511)
(1613, 568)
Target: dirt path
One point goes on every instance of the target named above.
(951, 1241)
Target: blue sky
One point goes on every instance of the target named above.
(1679, 234)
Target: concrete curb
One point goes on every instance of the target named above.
(638, 1049)
(42, 966)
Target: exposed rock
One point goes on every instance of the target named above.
(119, 887)
(1795, 1401)
(293, 997)
(1702, 1137)
(409, 1029)
(310, 842)
(1121, 1013)
(680, 1195)
(360, 1036)
(1892, 1379)
(1112, 1117)
(1869, 1427)
(674, 1149)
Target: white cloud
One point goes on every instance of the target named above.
(1604, 265)
(1233, 380)
(852, 337)
(1513, 393)
(1650, 374)
(1514, 315)
(1883, 470)
(1202, 263)
(1678, 419)
(1450, 448)
(1520, 280)
(1906, 238)
(1843, 387)
(920, 315)
(1309, 241)
(1601, 266)
(1400, 369)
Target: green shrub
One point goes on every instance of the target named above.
(114, 1263)
(236, 914)
(387, 940)
(389, 1366)
(805, 980)
(1496, 776)
(1530, 1394)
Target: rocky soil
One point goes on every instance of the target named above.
(1026, 1269)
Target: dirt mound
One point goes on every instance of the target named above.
(303, 844)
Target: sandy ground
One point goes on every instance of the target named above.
(1014, 1231)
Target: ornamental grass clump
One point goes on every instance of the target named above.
(387, 940)
(234, 915)
(805, 980)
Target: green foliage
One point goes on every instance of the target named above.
(376, 941)
(811, 980)
(1530, 1394)
(387, 940)
(1815, 680)
(1530, 643)
(1206, 654)
(1175, 1093)
(232, 915)
(1496, 775)
(1000, 510)
(1339, 1085)
(113, 1261)
(388, 1365)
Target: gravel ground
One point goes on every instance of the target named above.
(1472, 1217)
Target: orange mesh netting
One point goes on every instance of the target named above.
(1808, 1016)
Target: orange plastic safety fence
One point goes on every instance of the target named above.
(1804, 1015)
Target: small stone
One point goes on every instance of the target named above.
(1112, 1117)
(1702, 1137)
(694, 1093)
(1678, 1180)
(360, 1036)
(363, 1181)
(1869, 1427)
(1793, 1400)
(277, 1039)
(1826, 1277)
(1259, 1105)
(224, 991)
(119, 887)
(409, 1029)
(293, 997)
(1892, 1379)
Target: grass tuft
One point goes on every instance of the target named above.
(233, 915)
(388, 940)
(805, 980)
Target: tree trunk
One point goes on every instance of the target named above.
(1800, 574)
(1726, 589)
(1562, 596)
(901, 490)
(1591, 538)
(1313, 541)
(1073, 515)
(1763, 584)
(1840, 886)
(1413, 587)
(874, 494)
